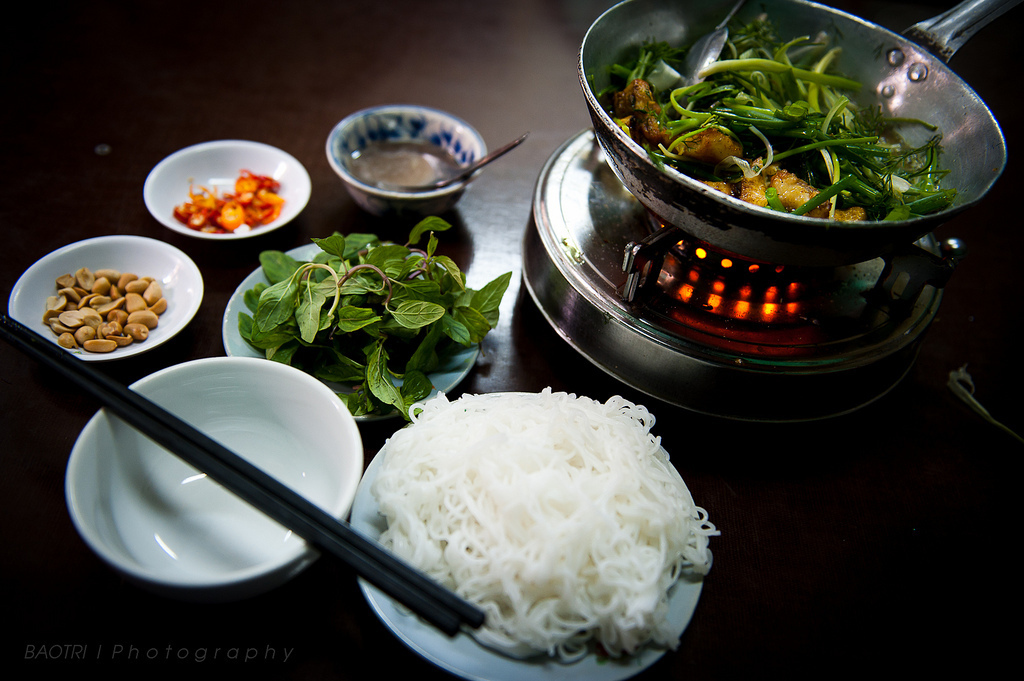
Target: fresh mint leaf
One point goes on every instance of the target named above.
(415, 387)
(338, 368)
(336, 245)
(378, 379)
(425, 356)
(276, 305)
(355, 243)
(307, 314)
(429, 224)
(351, 318)
(251, 297)
(448, 266)
(488, 299)
(415, 314)
(388, 258)
(278, 266)
(456, 330)
(476, 324)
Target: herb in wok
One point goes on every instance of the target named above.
(767, 106)
(367, 312)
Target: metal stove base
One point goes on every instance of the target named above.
(572, 268)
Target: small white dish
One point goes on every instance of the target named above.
(216, 166)
(454, 368)
(464, 657)
(404, 123)
(172, 530)
(178, 275)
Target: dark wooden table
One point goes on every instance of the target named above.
(877, 540)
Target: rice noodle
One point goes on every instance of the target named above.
(560, 516)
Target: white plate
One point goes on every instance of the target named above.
(463, 656)
(452, 371)
(178, 275)
(216, 165)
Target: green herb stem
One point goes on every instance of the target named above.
(823, 144)
(823, 196)
(771, 66)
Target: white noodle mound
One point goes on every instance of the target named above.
(561, 517)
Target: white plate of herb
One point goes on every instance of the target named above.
(384, 324)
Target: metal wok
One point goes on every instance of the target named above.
(903, 78)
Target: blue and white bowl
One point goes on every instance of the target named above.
(402, 123)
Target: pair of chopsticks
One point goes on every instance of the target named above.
(425, 597)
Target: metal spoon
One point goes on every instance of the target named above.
(463, 173)
(705, 51)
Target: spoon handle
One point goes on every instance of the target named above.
(469, 170)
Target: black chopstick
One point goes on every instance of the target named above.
(419, 593)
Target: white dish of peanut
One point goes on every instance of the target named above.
(109, 297)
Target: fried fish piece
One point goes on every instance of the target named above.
(710, 146)
(635, 104)
(753, 190)
(794, 192)
(851, 214)
(637, 96)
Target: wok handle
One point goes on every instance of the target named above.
(944, 34)
(642, 260)
(911, 267)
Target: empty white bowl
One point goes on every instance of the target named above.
(169, 528)
(216, 166)
(402, 123)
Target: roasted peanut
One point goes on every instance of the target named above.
(159, 307)
(104, 309)
(54, 306)
(70, 294)
(110, 275)
(108, 329)
(101, 285)
(85, 278)
(71, 319)
(90, 317)
(107, 308)
(152, 293)
(57, 327)
(139, 332)
(124, 279)
(118, 315)
(86, 300)
(137, 286)
(84, 333)
(144, 317)
(133, 302)
(100, 345)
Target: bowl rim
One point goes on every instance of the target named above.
(286, 564)
(295, 204)
(349, 178)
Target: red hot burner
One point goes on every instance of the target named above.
(709, 331)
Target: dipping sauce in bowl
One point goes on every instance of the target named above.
(406, 164)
